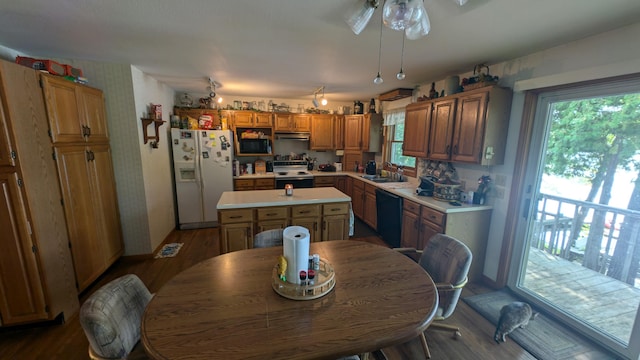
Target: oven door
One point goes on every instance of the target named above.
(296, 182)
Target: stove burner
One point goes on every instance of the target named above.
(302, 173)
(282, 173)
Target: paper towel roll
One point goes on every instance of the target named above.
(295, 241)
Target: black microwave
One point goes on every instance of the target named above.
(254, 146)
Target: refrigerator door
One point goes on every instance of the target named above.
(216, 165)
(187, 176)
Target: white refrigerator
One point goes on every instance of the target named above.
(203, 161)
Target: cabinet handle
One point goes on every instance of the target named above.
(448, 149)
(88, 131)
(415, 224)
(304, 212)
(235, 217)
(335, 209)
(455, 150)
(272, 214)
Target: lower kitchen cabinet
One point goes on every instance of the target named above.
(420, 223)
(370, 211)
(310, 217)
(91, 209)
(236, 229)
(324, 181)
(335, 223)
(357, 198)
(254, 184)
(324, 221)
(340, 183)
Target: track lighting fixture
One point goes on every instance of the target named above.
(322, 101)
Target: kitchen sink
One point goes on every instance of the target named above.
(379, 179)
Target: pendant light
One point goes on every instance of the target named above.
(400, 75)
(378, 79)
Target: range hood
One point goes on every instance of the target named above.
(293, 136)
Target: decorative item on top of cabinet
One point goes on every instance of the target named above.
(36, 277)
(76, 112)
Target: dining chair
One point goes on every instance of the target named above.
(111, 317)
(447, 261)
(268, 238)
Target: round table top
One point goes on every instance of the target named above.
(225, 307)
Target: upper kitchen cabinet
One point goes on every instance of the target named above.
(363, 133)
(322, 132)
(468, 127)
(441, 132)
(76, 112)
(338, 132)
(418, 119)
(248, 119)
(287, 122)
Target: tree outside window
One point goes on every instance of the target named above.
(395, 153)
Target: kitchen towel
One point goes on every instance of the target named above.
(295, 241)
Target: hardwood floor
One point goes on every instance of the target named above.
(67, 341)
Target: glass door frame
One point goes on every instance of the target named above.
(527, 179)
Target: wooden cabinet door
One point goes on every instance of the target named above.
(21, 295)
(340, 183)
(243, 119)
(410, 230)
(265, 184)
(5, 143)
(64, 110)
(469, 131)
(352, 132)
(370, 211)
(263, 120)
(302, 122)
(92, 101)
(357, 200)
(283, 122)
(77, 192)
(312, 224)
(243, 184)
(236, 237)
(270, 225)
(322, 132)
(335, 227)
(107, 213)
(338, 132)
(417, 124)
(442, 123)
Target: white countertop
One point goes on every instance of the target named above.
(407, 190)
(263, 198)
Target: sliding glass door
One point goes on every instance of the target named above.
(580, 216)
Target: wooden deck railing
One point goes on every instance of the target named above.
(602, 238)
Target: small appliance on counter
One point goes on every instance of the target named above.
(426, 185)
(326, 168)
(371, 168)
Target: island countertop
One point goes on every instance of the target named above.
(263, 198)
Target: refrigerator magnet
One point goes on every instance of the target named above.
(205, 154)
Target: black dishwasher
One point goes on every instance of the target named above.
(389, 210)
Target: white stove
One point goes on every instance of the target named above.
(292, 172)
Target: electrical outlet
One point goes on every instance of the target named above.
(501, 180)
(499, 192)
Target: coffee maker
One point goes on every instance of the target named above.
(371, 167)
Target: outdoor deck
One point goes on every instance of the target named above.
(606, 303)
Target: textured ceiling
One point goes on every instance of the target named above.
(288, 48)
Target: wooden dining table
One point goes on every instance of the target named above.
(226, 308)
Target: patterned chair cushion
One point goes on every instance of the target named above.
(111, 317)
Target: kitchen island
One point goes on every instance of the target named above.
(242, 214)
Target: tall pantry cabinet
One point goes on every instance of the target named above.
(36, 272)
(80, 139)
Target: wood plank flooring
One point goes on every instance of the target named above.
(67, 341)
